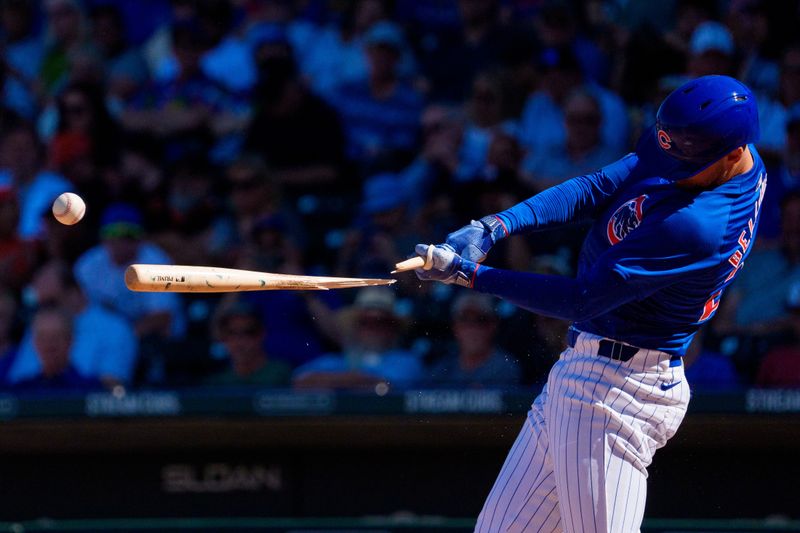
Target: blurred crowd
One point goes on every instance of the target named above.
(327, 137)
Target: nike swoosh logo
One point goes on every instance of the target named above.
(667, 386)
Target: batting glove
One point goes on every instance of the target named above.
(473, 241)
(443, 264)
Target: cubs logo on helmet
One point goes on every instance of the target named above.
(664, 140)
(625, 219)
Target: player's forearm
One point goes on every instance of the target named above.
(560, 297)
(574, 200)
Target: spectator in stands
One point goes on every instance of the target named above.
(773, 114)
(336, 54)
(52, 339)
(537, 340)
(780, 367)
(711, 50)
(476, 361)
(242, 332)
(22, 167)
(301, 24)
(228, 59)
(439, 159)
(689, 14)
(584, 150)
(184, 219)
(82, 110)
(487, 119)
(784, 177)
(254, 195)
(140, 173)
(8, 345)
(301, 325)
(22, 52)
(108, 32)
(17, 256)
(381, 231)
(100, 272)
(451, 60)
(295, 131)
(755, 292)
(556, 27)
(749, 23)
(371, 354)
(380, 114)
(708, 368)
(189, 111)
(637, 33)
(750, 312)
(103, 346)
(67, 33)
(542, 123)
(158, 49)
(86, 142)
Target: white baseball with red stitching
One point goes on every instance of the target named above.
(69, 208)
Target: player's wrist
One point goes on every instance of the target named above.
(467, 271)
(495, 226)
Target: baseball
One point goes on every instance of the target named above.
(69, 208)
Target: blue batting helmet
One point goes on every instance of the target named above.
(705, 118)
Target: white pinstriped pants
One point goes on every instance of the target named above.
(579, 463)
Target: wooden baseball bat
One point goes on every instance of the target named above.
(181, 278)
(415, 262)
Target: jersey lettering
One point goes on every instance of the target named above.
(736, 259)
(710, 307)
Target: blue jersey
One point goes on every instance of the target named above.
(656, 260)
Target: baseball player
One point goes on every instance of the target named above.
(673, 224)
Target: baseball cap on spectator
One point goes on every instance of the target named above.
(383, 192)
(376, 298)
(237, 309)
(475, 303)
(711, 37)
(121, 221)
(385, 33)
(371, 301)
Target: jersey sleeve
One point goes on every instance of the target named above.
(630, 270)
(576, 199)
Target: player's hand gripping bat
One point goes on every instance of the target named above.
(425, 263)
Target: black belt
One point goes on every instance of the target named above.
(606, 347)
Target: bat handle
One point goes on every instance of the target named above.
(414, 263)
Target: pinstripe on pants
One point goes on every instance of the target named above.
(579, 463)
